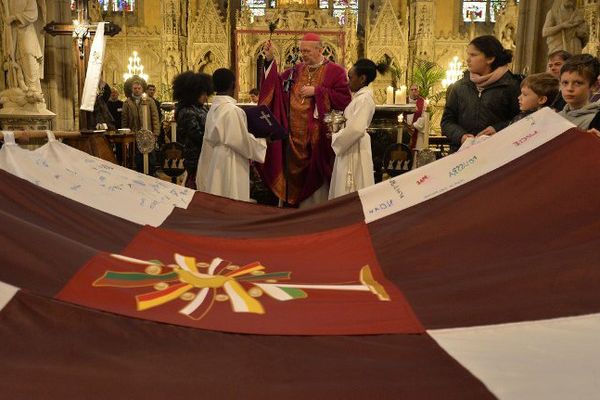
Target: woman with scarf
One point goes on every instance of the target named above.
(485, 100)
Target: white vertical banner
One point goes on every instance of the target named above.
(450, 172)
(94, 70)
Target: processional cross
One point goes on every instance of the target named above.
(81, 30)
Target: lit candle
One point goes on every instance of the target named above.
(144, 111)
(403, 94)
(389, 95)
(398, 96)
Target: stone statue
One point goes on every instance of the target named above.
(565, 27)
(94, 11)
(207, 64)
(508, 37)
(172, 69)
(244, 64)
(23, 47)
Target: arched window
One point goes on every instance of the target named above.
(338, 7)
(482, 10)
(111, 5)
(258, 6)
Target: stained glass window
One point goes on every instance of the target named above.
(111, 5)
(258, 6)
(482, 10)
(339, 6)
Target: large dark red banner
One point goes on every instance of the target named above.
(326, 283)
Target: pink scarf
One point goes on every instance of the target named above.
(483, 81)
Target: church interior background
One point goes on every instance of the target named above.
(171, 36)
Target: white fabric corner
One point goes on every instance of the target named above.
(7, 292)
(549, 359)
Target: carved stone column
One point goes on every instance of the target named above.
(208, 37)
(531, 51)
(171, 44)
(591, 10)
(387, 37)
(421, 36)
(59, 83)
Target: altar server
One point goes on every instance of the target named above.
(353, 167)
(227, 147)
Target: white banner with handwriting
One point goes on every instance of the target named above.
(450, 172)
(94, 182)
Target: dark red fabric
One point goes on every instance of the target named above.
(45, 238)
(520, 243)
(53, 350)
(218, 216)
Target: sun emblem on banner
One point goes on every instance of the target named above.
(200, 284)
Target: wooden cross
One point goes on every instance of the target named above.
(81, 30)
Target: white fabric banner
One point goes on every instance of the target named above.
(94, 182)
(94, 69)
(450, 172)
(7, 292)
(549, 359)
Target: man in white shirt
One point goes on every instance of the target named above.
(227, 147)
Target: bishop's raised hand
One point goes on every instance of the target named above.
(268, 50)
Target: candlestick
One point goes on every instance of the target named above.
(426, 130)
(144, 111)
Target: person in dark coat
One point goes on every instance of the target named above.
(151, 91)
(191, 91)
(115, 106)
(485, 100)
(101, 114)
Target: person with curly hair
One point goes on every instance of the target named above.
(191, 91)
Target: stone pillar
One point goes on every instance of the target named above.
(421, 42)
(591, 11)
(172, 49)
(531, 51)
(59, 81)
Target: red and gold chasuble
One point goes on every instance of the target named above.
(310, 157)
(304, 131)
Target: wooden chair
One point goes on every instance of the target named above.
(171, 163)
